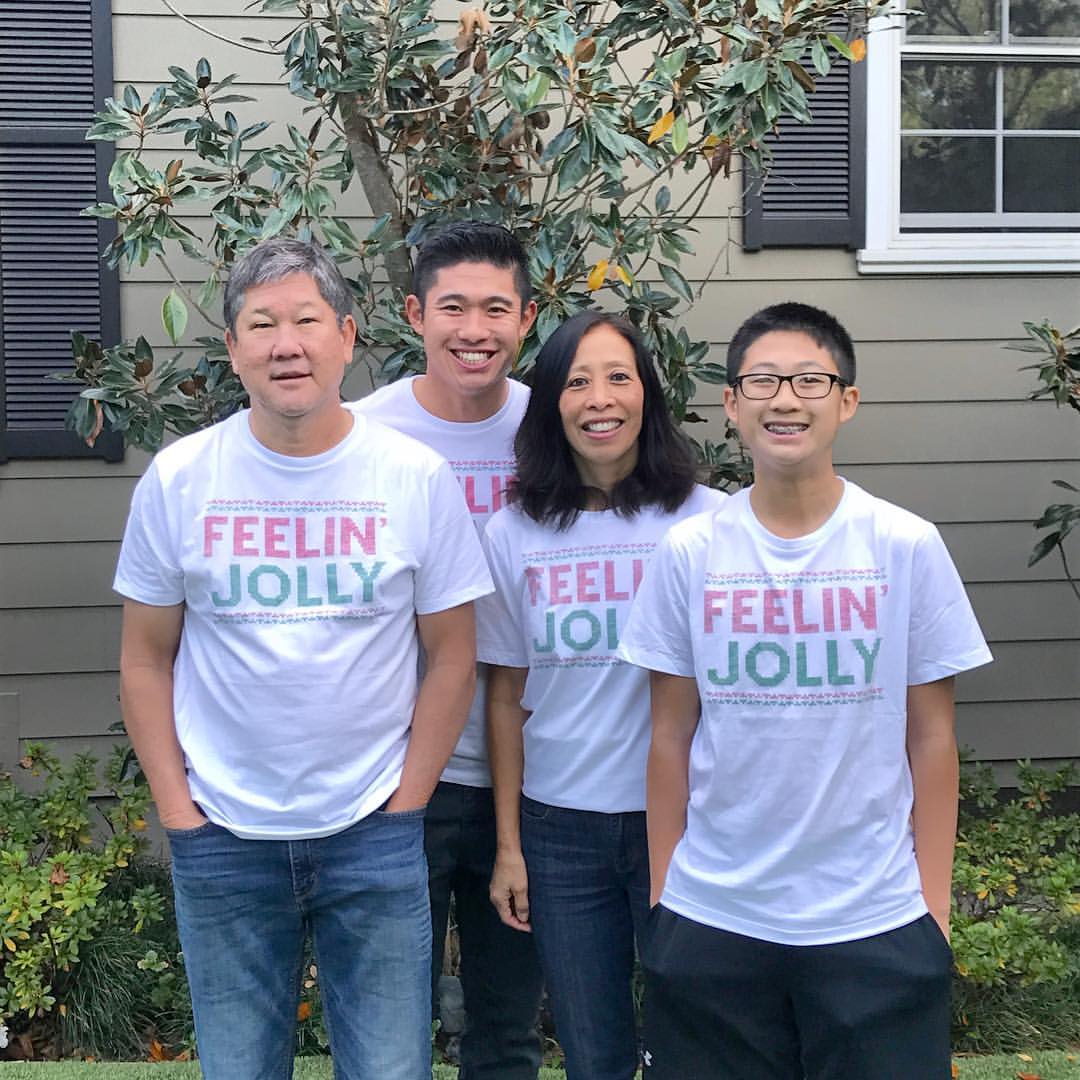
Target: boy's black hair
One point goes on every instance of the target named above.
(471, 242)
(548, 487)
(820, 326)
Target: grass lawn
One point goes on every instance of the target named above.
(1045, 1065)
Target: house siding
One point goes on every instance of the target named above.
(944, 429)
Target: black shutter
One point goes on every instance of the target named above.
(813, 195)
(55, 69)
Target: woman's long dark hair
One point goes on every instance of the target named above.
(548, 487)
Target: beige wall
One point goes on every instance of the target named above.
(944, 429)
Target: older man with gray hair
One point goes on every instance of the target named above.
(280, 571)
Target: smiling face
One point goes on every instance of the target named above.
(473, 322)
(601, 407)
(291, 354)
(788, 434)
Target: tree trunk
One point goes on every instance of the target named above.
(378, 187)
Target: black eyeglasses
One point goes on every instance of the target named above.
(760, 385)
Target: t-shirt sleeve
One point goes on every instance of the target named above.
(943, 635)
(500, 634)
(657, 634)
(149, 569)
(453, 570)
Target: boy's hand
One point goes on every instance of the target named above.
(509, 890)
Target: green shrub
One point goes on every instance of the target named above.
(1016, 918)
(62, 854)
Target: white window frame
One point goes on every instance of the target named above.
(887, 250)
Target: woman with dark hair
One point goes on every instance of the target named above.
(602, 474)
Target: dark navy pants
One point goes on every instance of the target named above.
(721, 1006)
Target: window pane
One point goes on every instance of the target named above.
(946, 95)
(946, 175)
(956, 19)
(1041, 96)
(1050, 20)
(1041, 175)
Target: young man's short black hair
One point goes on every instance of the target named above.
(818, 325)
(548, 487)
(471, 242)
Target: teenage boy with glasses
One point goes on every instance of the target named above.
(802, 788)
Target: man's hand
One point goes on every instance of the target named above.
(509, 890)
(192, 818)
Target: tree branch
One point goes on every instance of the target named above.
(378, 187)
(187, 293)
(220, 37)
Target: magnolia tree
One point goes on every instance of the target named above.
(1058, 370)
(565, 120)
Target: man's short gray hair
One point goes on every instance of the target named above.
(277, 258)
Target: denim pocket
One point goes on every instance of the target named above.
(401, 815)
(185, 834)
(538, 811)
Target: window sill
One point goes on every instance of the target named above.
(967, 254)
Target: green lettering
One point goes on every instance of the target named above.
(783, 663)
(869, 657)
(234, 590)
(733, 667)
(593, 624)
(368, 578)
(255, 587)
(332, 595)
(832, 654)
(302, 598)
(801, 676)
(549, 645)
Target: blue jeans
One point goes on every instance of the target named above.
(500, 972)
(588, 901)
(244, 908)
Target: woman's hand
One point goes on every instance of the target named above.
(509, 890)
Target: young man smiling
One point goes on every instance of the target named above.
(280, 572)
(471, 303)
(802, 788)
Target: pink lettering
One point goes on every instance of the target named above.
(741, 611)
(610, 592)
(475, 507)
(828, 612)
(533, 575)
(557, 576)
(714, 606)
(243, 535)
(211, 532)
(586, 582)
(499, 486)
(773, 611)
(350, 531)
(798, 618)
(273, 527)
(639, 572)
(328, 536)
(302, 549)
(867, 610)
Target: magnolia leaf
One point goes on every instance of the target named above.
(597, 275)
(661, 128)
(624, 276)
(174, 316)
(858, 50)
(585, 50)
(680, 135)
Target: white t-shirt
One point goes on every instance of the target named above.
(561, 599)
(301, 578)
(798, 828)
(481, 453)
